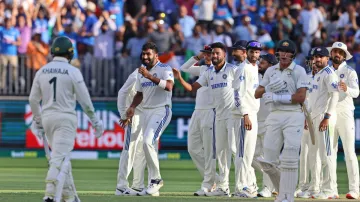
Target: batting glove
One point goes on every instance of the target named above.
(268, 98)
(99, 128)
(275, 85)
(37, 128)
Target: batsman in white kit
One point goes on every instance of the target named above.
(201, 134)
(58, 85)
(345, 123)
(132, 155)
(283, 89)
(266, 61)
(323, 100)
(154, 84)
(244, 113)
(219, 79)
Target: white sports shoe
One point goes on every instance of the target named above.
(265, 192)
(305, 194)
(219, 192)
(246, 193)
(352, 195)
(125, 192)
(154, 186)
(201, 192)
(143, 193)
(325, 195)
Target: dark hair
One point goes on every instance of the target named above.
(218, 45)
(150, 45)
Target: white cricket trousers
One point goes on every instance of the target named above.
(201, 144)
(324, 150)
(154, 121)
(306, 158)
(245, 147)
(132, 155)
(259, 152)
(284, 129)
(224, 130)
(345, 128)
(60, 130)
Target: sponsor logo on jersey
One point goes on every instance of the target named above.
(148, 84)
(242, 78)
(219, 85)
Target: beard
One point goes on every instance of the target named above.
(262, 71)
(336, 60)
(147, 61)
(252, 59)
(216, 61)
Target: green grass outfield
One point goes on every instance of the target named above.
(23, 180)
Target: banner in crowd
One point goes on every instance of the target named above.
(16, 118)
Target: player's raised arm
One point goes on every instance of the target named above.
(188, 87)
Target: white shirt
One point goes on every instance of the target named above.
(222, 91)
(344, 20)
(348, 75)
(153, 95)
(264, 110)
(294, 76)
(206, 9)
(310, 21)
(126, 95)
(58, 85)
(244, 89)
(204, 99)
(325, 82)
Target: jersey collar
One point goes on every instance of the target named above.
(221, 70)
(291, 66)
(341, 66)
(323, 69)
(60, 59)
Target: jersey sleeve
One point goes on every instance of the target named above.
(82, 95)
(189, 67)
(168, 74)
(138, 83)
(124, 92)
(352, 85)
(35, 97)
(302, 78)
(331, 82)
(203, 79)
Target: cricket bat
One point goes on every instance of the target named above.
(310, 124)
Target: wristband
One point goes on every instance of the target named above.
(285, 99)
(326, 116)
(162, 84)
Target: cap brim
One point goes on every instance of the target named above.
(205, 51)
(348, 55)
(240, 48)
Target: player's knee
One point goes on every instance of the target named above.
(289, 158)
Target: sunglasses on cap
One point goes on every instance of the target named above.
(254, 44)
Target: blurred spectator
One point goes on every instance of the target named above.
(132, 47)
(222, 9)
(37, 52)
(283, 26)
(246, 31)
(104, 32)
(267, 7)
(135, 8)
(187, 22)
(86, 38)
(167, 7)
(249, 8)
(205, 34)
(178, 37)
(219, 36)
(65, 28)
(348, 19)
(40, 24)
(194, 43)
(163, 39)
(9, 45)
(116, 11)
(311, 20)
(206, 11)
(189, 4)
(24, 27)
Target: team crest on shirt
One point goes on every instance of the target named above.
(342, 75)
(154, 75)
(242, 78)
(224, 76)
(318, 79)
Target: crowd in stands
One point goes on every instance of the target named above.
(114, 30)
